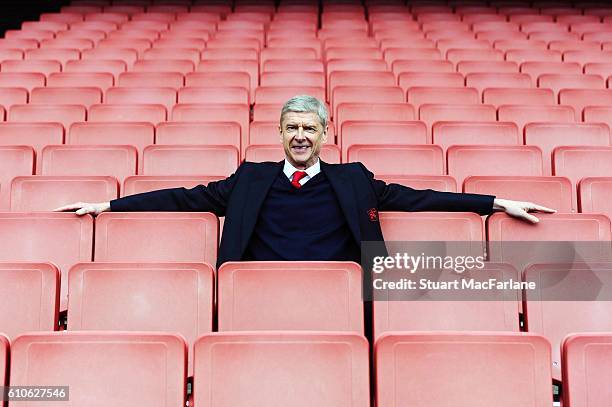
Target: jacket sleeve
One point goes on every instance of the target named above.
(211, 198)
(395, 197)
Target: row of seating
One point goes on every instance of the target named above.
(178, 297)
(304, 369)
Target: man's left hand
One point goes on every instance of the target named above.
(520, 209)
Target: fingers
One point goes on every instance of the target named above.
(69, 207)
(529, 217)
(541, 208)
(84, 211)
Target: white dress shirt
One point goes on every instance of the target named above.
(311, 171)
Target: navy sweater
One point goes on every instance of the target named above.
(302, 224)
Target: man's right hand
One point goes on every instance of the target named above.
(83, 208)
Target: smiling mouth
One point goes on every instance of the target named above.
(300, 149)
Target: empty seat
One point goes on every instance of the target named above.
(229, 53)
(464, 161)
(112, 66)
(420, 65)
(267, 54)
(146, 95)
(580, 98)
(408, 80)
(558, 298)
(532, 55)
(594, 193)
(127, 55)
(152, 363)
(586, 369)
(173, 80)
(171, 297)
(363, 132)
(432, 113)
(373, 112)
(524, 96)
(25, 80)
(145, 183)
(210, 94)
(214, 79)
(524, 114)
(310, 290)
(85, 96)
(428, 364)
(62, 239)
(457, 55)
(36, 135)
(418, 95)
(239, 113)
(183, 66)
(190, 160)
(316, 79)
(52, 54)
(356, 64)
(280, 94)
(137, 134)
(212, 133)
(352, 53)
(587, 56)
(433, 311)
(156, 237)
(64, 114)
(274, 152)
(15, 160)
(484, 80)
(557, 82)
(31, 293)
(118, 161)
(45, 67)
(552, 192)
(188, 54)
(91, 80)
(448, 133)
(598, 114)
(355, 94)
(13, 96)
(233, 65)
(293, 65)
(319, 368)
(578, 162)
(149, 113)
(10, 54)
(517, 44)
(399, 159)
(45, 193)
(598, 68)
(535, 69)
(547, 136)
(468, 66)
(444, 183)
(359, 78)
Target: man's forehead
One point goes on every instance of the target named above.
(301, 118)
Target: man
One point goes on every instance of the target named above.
(302, 208)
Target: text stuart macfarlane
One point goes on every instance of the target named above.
(462, 284)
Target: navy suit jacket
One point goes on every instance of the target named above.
(239, 198)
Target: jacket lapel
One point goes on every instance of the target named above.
(258, 188)
(343, 187)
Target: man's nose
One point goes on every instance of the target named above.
(300, 133)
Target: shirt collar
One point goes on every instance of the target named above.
(311, 171)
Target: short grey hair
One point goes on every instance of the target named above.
(306, 104)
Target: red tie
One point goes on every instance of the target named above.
(297, 176)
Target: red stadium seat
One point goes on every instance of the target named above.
(524, 114)
(313, 43)
(419, 65)
(45, 193)
(407, 80)
(274, 152)
(154, 363)
(594, 195)
(376, 94)
(150, 113)
(316, 79)
(127, 55)
(333, 288)
(481, 81)
(399, 159)
(190, 160)
(363, 132)
(146, 95)
(183, 66)
(520, 43)
(293, 65)
(176, 39)
(112, 66)
(229, 53)
(280, 94)
(91, 34)
(53, 54)
(359, 78)
(213, 79)
(464, 161)
(454, 40)
(570, 313)
(267, 54)
(15, 160)
(145, 183)
(350, 53)
(7, 54)
(18, 43)
(444, 183)
(268, 133)
(45, 67)
(211, 133)
(497, 313)
(449, 133)
(157, 237)
(62, 239)
(434, 226)
(210, 94)
(31, 293)
(524, 96)
(189, 54)
(171, 297)
(100, 80)
(468, 66)
(13, 96)
(372, 65)
(552, 192)
(64, 114)
(117, 161)
(578, 162)
(173, 80)
(432, 113)
(317, 368)
(26, 80)
(598, 68)
(586, 370)
(233, 65)
(532, 55)
(548, 136)
(557, 82)
(587, 56)
(535, 69)
(124, 47)
(456, 55)
(85, 96)
(381, 112)
(574, 45)
(428, 365)
(417, 96)
(580, 98)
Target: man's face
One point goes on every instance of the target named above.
(302, 136)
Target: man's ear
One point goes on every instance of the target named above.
(280, 133)
(324, 136)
